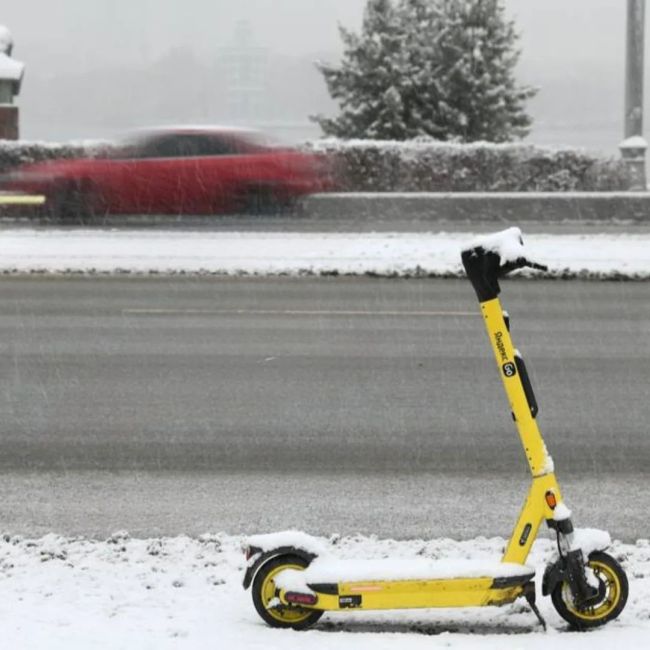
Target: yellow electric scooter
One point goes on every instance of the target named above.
(293, 583)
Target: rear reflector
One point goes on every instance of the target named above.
(250, 551)
(301, 599)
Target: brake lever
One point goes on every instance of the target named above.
(536, 266)
(520, 263)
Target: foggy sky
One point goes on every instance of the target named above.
(569, 46)
(104, 31)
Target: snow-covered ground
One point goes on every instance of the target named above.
(108, 251)
(186, 593)
(183, 592)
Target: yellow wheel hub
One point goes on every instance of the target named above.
(608, 577)
(267, 593)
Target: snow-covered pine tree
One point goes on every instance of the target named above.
(366, 85)
(444, 68)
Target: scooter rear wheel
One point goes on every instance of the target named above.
(612, 597)
(264, 591)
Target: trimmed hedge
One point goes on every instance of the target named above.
(22, 152)
(415, 166)
(431, 166)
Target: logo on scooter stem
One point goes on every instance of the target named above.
(509, 369)
(498, 338)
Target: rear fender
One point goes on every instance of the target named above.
(259, 558)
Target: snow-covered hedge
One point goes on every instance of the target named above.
(430, 166)
(415, 166)
(13, 154)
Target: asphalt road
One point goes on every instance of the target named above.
(343, 223)
(185, 405)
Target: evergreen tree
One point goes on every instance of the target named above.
(443, 68)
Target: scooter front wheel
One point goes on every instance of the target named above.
(612, 595)
(264, 593)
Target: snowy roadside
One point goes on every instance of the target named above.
(186, 593)
(401, 254)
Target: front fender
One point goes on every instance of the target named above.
(553, 574)
(557, 572)
(262, 557)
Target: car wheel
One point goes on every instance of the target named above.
(261, 201)
(70, 203)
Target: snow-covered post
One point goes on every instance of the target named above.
(633, 147)
(11, 76)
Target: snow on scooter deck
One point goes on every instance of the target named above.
(327, 568)
(333, 570)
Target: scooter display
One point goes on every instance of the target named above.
(294, 582)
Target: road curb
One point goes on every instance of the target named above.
(481, 206)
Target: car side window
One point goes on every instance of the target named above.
(172, 147)
(193, 145)
(185, 146)
(211, 145)
(221, 146)
(156, 147)
(168, 146)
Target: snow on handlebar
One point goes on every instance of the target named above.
(508, 245)
(490, 257)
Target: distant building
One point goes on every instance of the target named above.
(11, 76)
(243, 69)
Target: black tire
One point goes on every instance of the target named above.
(614, 592)
(70, 204)
(260, 201)
(263, 589)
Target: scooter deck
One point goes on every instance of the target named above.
(404, 584)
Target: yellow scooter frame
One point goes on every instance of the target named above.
(544, 491)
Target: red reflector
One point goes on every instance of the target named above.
(301, 599)
(251, 551)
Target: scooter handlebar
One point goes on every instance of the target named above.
(484, 268)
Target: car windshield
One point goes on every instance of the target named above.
(187, 143)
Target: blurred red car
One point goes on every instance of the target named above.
(189, 170)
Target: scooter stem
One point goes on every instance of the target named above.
(484, 268)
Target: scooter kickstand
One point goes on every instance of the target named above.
(529, 595)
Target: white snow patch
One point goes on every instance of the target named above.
(424, 144)
(87, 143)
(438, 253)
(634, 142)
(417, 568)
(590, 540)
(561, 512)
(549, 463)
(10, 68)
(294, 538)
(507, 244)
(168, 593)
(293, 580)
(6, 39)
